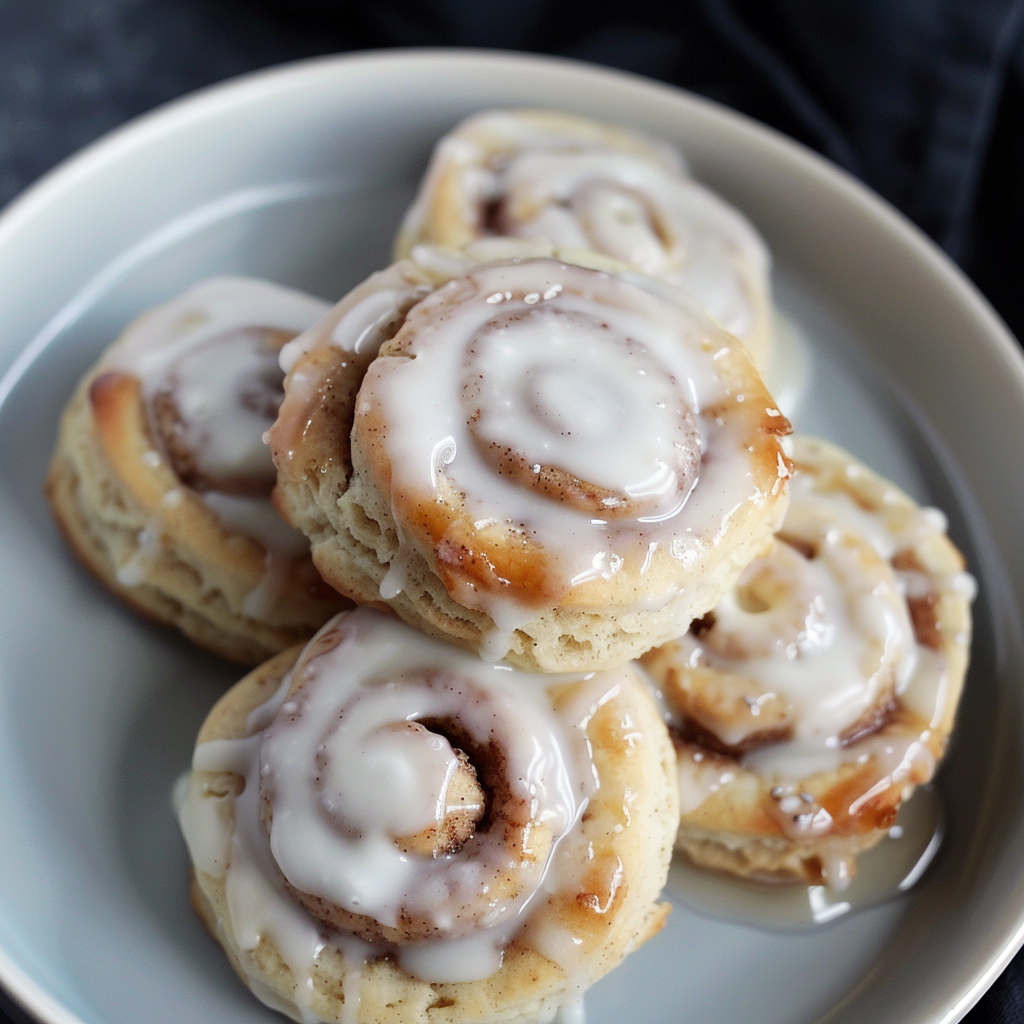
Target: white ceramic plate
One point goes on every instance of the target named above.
(300, 175)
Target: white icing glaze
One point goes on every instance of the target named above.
(813, 512)
(836, 639)
(260, 602)
(360, 322)
(255, 903)
(559, 393)
(227, 392)
(810, 647)
(148, 544)
(926, 692)
(891, 867)
(202, 825)
(136, 570)
(470, 958)
(360, 328)
(574, 187)
(357, 955)
(257, 518)
(699, 777)
(371, 875)
(572, 1013)
(624, 207)
(209, 350)
(395, 578)
(348, 724)
(528, 348)
(219, 306)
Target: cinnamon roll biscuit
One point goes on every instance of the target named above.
(161, 482)
(383, 827)
(822, 689)
(537, 461)
(585, 185)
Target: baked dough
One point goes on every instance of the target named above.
(352, 877)
(552, 464)
(161, 483)
(582, 184)
(822, 690)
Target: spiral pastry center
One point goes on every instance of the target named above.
(635, 210)
(212, 406)
(436, 797)
(813, 642)
(547, 393)
(620, 223)
(418, 770)
(782, 606)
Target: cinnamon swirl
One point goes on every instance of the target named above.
(383, 827)
(161, 481)
(822, 689)
(538, 461)
(585, 185)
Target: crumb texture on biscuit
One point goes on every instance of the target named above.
(383, 820)
(161, 481)
(588, 186)
(821, 690)
(537, 460)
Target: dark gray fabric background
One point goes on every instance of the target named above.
(922, 99)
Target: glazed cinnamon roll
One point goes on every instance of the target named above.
(538, 461)
(383, 827)
(808, 705)
(584, 185)
(161, 481)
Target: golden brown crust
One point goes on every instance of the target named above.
(730, 821)
(335, 483)
(771, 860)
(629, 826)
(106, 491)
(449, 213)
(449, 217)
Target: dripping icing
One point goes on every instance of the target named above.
(259, 905)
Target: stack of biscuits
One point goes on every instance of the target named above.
(537, 585)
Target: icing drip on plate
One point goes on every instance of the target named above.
(885, 871)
